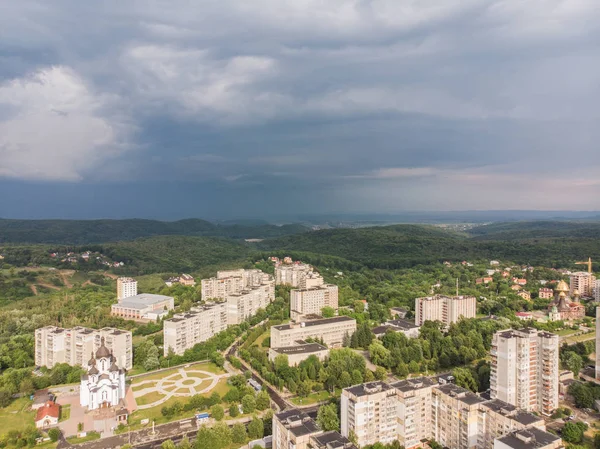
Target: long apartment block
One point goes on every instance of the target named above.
(234, 281)
(446, 309)
(331, 330)
(297, 275)
(525, 369)
(55, 345)
(310, 301)
(185, 330)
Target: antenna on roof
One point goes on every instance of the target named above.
(456, 286)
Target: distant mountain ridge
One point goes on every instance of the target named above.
(80, 232)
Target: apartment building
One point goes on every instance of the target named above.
(370, 411)
(455, 413)
(545, 293)
(143, 307)
(532, 438)
(299, 352)
(414, 401)
(331, 330)
(293, 429)
(245, 303)
(126, 287)
(297, 275)
(525, 369)
(583, 283)
(185, 330)
(187, 280)
(330, 440)
(310, 301)
(447, 309)
(234, 281)
(73, 346)
(497, 418)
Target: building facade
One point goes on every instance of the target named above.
(293, 429)
(297, 275)
(597, 342)
(525, 369)
(331, 330)
(299, 352)
(234, 281)
(185, 330)
(126, 287)
(73, 346)
(414, 410)
(369, 411)
(582, 283)
(447, 309)
(245, 303)
(143, 307)
(310, 301)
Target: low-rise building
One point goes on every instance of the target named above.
(310, 301)
(185, 330)
(408, 328)
(187, 280)
(532, 438)
(73, 346)
(143, 307)
(330, 330)
(47, 416)
(398, 312)
(299, 352)
(546, 293)
(369, 411)
(293, 429)
(524, 294)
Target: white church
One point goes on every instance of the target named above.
(104, 384)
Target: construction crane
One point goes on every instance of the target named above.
(588, 263)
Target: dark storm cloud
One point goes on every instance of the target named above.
(307, 105)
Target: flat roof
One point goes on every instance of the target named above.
(321, 322)
(462, 394)
(142, 300)
(305, 348)
(297, 422)
(403, 324)
(414, 384)
(369, 388)
(333, 440)
(528, 438)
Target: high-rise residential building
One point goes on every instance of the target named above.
(331, 330)
(597, 290)
(310, 301)
(531, 438)
(126, 287)
(369, 411)
(297, 275)
(447, 309)
(455, 413)
(185, 330)
(582, 283)
(293, 429)
(414, 410)
(331, 440)
(73, 346)
(525, 369)
(245, 303)
(497, 418)
(235, 281)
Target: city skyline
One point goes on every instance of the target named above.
(225, 110)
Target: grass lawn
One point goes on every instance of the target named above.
(154, 376)
(89, 437)
(312, 398)
(65, 412)
(578, 338)
(566, 332)
(155, 414)
(142, 386)
(198, 375)
(222, 388)
(262, 338)
(149, 398)
(17, 415)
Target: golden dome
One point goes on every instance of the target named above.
(562, 295)
(576, 292)
(562, 286)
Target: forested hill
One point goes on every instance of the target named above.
(525, 230)
(403, 246)
(80, 232)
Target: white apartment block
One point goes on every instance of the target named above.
(447, 309)
(126, 287)
(185, 330)
(331, 330)
(414, 410)
(455, 413)
(297, 275)
(293, 429)
(310, 301)
(525, 369)
(369, 411)
(597, 290)
(245, 303)
(233, 282)
(74, 346)
(583, 283)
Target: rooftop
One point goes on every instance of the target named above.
(462, 394)
(368, 388)
(143, 300)
(528, 438)
(333, 440)
(49, 409)
(305, 348)
(297, 422)
(414, 384)
(321, 322)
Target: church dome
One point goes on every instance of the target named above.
(102, 352)
(576, 292)
(93, 370)
(113, 367)
(92, 361)
(562, 286)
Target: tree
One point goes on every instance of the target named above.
(206, 439)
(328, 312)
(327, 418)
(168, 445)
(573, 362)
(262, 400)
(464, 378)
(380, 373)
(256, 428)
(151, 362)
(5, 398)
(54, 434)
(248, 404)
(234, 410)
(304, 388)
(597, 440)
(184, 443)
(573, 432)
(222, 433)
(217, 412)
(238, 433)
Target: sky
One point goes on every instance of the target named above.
(236, 108)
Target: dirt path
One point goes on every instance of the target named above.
(66, 281)
(34, 289)
(110, 275)
(50, 286)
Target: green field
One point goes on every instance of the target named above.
(149, 398)
(17, 416)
